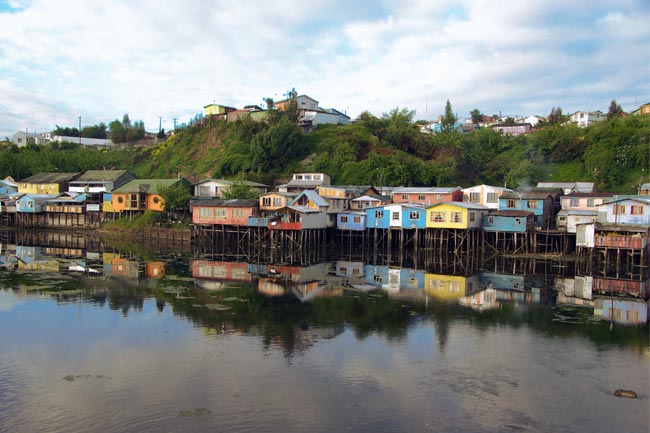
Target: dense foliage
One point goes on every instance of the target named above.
(387, 150)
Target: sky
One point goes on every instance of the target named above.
(159, 61)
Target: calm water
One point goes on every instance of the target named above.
(132, 343)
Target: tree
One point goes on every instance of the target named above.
(615, 110)
(161, 134)
(175, 196)
(476, 115)
(448, 122)
(239, 190)
(556, 116)
(120, 132)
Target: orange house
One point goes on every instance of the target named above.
(142, 194)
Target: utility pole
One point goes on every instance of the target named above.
(159, 123)
(79, 129)
(175, 119)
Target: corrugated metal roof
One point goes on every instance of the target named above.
(50, 178)
(426, 190)
(150, 186)
(100, 175)
(465, 205)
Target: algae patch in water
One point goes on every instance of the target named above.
(234, 299)
(217, 307)
(75, 377)
(196, 412)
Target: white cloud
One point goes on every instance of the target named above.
(99, 60)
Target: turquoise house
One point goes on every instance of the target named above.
(544, 203)
(355, 221)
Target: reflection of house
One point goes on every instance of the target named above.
(125, 268)
(225, 271)
(216, 187)
(483, 300)
(502, 281)
(32, 259)
(349, 269)
(611, 286)
(154, 270)
(382, 277)
(622, 310)
(485, 195)
(303, 282)
(450, 286)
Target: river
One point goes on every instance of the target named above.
(126, 341)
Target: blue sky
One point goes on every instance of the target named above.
(68, 58)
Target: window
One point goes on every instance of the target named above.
(205, 212)
(405, 196)
(299, 177)
(457, 217)
(438, 217)
(574, 202)
(266, 201)
(357, 219)
(30, 204)
(156, 200)
(277, 201)
(511, 203)
(472, 216)
(590, 202)
(475, 197)
(317, 177)
(379, 214)
(220, 213)
(120, 200)
(378, 278)
(238, 213)
(492, 197)
(344, 219)
(490, 219)
(420, 196)
(532, 204)
(308, 177)
(395, 216)
(636, 210)
(518, 221)
(619, 209)
(414, 215)
(438, 197)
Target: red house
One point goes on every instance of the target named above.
(427, 195)
(224, 212)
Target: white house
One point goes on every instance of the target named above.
(579, 208)
(215, 187)
(587, 118)
(484, 195)
(625, 211)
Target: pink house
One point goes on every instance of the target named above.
(223, 212)
(427, 195)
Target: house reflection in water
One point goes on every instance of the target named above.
(305, 283)
(625, 311)
(450, 287)
(33, 259)
(481, 301)
(216, 275)
(574, 291)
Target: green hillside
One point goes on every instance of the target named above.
(389, 150)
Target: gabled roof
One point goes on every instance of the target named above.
(638, 199)
(426, 190)
(565, 212)
(577, 186)
(149, 186)
(462, 204)
(228, 182)
(535, 193)
(372, 197)
(100, 176)
(50, 178)
(589, 194)
(313, 196)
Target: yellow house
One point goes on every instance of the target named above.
(450, 286)
(456, 215)
(142, 194)
(46, 183)
(217, 109)
(273, 201)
